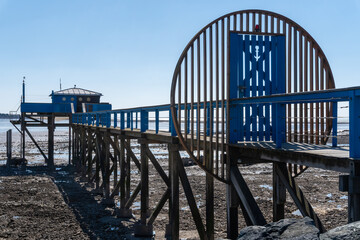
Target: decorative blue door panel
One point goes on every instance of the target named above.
(257, 68)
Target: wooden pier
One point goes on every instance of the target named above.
(251, 87)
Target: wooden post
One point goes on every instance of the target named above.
(354, 192)
(144, 229)
(122, 173)
(173, 227)
(116, 157)
(8, 147)
(209, 200)
(73, 146)
(128, 173)
(23, 126)
(107, 166)
(232, 203)
(124, 212)
(279, 195)
(70, 122)
(98, 159)
(89, 154)
(51, 129)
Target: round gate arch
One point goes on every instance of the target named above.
(200, 86)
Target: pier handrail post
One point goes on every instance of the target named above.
(335, 121)
(144, 120)
(354, 122)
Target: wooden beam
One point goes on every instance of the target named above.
(243, 191)
(36, 144)
(298, 196)
(190, 196)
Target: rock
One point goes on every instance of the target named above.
(349, 231)
(295, 229)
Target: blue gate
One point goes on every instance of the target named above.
(257, 68)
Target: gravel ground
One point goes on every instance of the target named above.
(36, 204)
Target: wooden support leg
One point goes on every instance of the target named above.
(107, 167)
(128, 173)
(98, 159)
(89, 155)
(144, 229)
(246, 198)
(23, 126)
(83, 152)
(232, 202)
(123, 212)
(116, 157)
(190, 197)
(298, 196)
(73, 147)
(173, 227)
(70, 140)
(51, 129)
(210, 206)
(354, 192)
(279, 195)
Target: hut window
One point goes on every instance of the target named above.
(64, 99)
(80, 99)
(72, 99)
(88, 99)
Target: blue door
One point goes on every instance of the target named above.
(257, 68)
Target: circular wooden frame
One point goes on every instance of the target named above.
(201, 80)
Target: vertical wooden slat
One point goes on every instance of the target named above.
(317, 88)
(322, 116)
(241, 27)
(222, 93)
(306, 89)
(301, 86)
(186, 97)
(253, 21)
(247, 22)
(179, 99)
(311, 89)
(260, 21)
(289, 130)
(266, 23)
(234, 22)
(217, 96)
(192, 97)
(205, 97)
(277, 25)
(295, 82)
(211, 151)
(198, 99)
(272, 25)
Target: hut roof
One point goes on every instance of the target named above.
(77, 91)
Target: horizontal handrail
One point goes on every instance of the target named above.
(139, 117)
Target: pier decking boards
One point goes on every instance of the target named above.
(251, 87)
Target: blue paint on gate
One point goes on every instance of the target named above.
(251, 58)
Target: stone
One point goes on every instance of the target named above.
(295, 229)
(349, 231)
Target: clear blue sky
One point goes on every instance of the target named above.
(127, 50)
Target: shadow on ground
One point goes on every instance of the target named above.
(96, 219)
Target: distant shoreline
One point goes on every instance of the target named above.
(9, 116)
